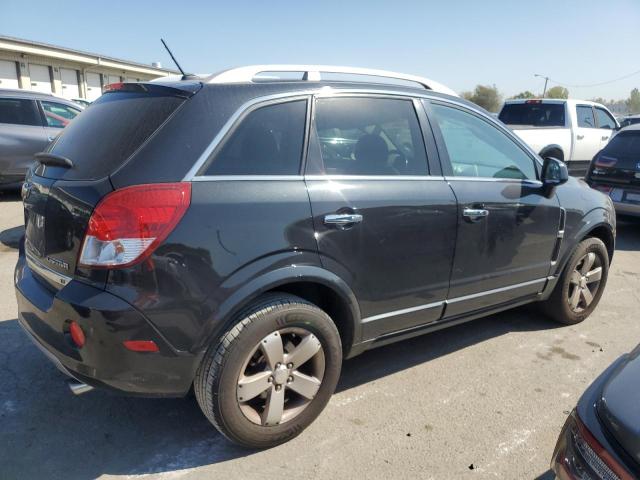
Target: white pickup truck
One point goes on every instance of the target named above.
(570, 130)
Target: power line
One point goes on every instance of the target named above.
(598, 84)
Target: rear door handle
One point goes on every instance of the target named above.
(580, 137)
(342, 219)
(475, 214)
(605, 138)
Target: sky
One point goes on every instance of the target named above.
(460, 43)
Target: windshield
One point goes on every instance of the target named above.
(533, 114)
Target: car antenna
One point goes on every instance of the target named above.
(184, 75)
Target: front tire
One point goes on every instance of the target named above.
(272, 373)
(581, 284)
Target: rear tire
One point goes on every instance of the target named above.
(252, 398)
(581, 284)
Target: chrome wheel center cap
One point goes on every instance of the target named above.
(281, 374)
(583, 282)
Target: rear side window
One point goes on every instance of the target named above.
(585, 116)
(110, 130)
(370, 136)
(267, 142)
(58, 115)
(18, 111)
(478, 149)
(533, 114)
(604, 119)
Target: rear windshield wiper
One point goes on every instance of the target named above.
(53, 160)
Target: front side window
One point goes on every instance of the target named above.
(58, 115)
(18, 111)
(268, 141)
(478, 149)
(585, 116)
(604, 119)
(370, 136)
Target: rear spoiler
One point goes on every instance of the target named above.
(178, 89)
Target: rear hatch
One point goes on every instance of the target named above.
(619, 162)
(64, 186)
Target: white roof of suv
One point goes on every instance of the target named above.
(312, 73)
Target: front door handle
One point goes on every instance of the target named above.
(605, 138)
(342, 219)
(580, 137)
(475, 214)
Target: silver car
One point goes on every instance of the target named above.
(28, 122)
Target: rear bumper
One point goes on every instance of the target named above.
(107, 322)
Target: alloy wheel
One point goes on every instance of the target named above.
(584, 282)
(281, 376)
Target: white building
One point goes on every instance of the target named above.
(65, 72)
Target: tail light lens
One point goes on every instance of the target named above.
(128, 224)
(579, 455)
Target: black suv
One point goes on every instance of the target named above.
(244, 234)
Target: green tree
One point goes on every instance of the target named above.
(633, 103)
(487, 96)
(525, 94)
(557, 92)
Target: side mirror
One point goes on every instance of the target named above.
(554, 172)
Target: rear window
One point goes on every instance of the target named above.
(624, 145)
(109, 131)
(533, 114)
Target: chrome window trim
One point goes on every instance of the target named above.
(330, 91)
(453, 300)
(240, 178)
(374, 177)
(50, 275)
(526, 181)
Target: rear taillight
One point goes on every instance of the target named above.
(603, 161)
(579, 455)
(128, 224)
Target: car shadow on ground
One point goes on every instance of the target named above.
(10, 195)
(46, 431)
(10, 238)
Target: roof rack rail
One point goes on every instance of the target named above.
(312, 73)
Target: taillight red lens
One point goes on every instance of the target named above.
(141, 345)
(128, 224)
(77, 335)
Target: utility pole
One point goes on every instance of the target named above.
(546, 81)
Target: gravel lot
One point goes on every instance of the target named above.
(481, 400)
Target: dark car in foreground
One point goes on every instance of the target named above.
(242, 234)
(29, 121)
(601, 438)
(615, 171)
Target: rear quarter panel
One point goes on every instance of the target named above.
(223, 243)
